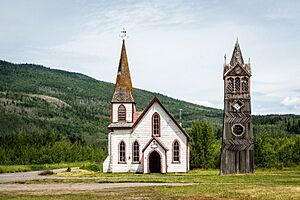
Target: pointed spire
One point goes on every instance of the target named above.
(123, 87)
(236, 55)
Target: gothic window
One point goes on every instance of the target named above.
(230, 85)
(156, 125)
(136, 152)
(122, 113)
(122, 158)
(237, 85)
(176, 151)
(245, 85)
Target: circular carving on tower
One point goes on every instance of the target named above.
(238, 130)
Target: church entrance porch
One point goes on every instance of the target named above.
(154, 162)
(154, 157)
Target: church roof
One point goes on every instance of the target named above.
(237, 55)
(155, 100)
(122, 125)
(123, 87)
(139, 115)
(231, 72)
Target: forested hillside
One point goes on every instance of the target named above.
(34, 96)
(48, 106)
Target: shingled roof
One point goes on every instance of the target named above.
(237, 55)
(123, 87)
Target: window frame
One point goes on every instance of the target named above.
(134, 151)
(122, 105)
(119, 153)
(173, 152)
(153, 127)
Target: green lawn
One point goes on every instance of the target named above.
(26, 168)
(264, 184)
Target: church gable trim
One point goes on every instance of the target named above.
(231, 71)
(156, 140)
(155, 99)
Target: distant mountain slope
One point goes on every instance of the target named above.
(34, 97)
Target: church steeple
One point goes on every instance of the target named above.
(237, 55)
(123, 87)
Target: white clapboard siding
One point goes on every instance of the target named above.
(143, 134)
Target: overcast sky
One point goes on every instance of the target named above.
(174, 47)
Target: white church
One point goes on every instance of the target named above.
(150, 141)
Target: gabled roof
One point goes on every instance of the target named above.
(123, 87)
(231, 71)
(122, 125)
(155, 100)
(158, 141)
(236, 55)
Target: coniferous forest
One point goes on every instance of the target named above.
(52, 116)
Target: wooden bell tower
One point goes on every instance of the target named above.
(237, 155)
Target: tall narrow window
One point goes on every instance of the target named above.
(122, 113)
(156, 125)
(237, 85)
(176, 151)
(245, 85)
(122, 158)
(136, 152)
(230, 85)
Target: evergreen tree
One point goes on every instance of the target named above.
(202, 145)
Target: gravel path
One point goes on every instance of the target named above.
(65, 188)
(25, 176)
(8, 187)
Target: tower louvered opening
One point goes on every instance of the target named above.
(237, 85)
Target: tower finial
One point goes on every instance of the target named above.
(237, 40)
(225, 58)
(249, 60)
(123, 34)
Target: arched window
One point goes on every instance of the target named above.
(176, 151)
(136, 152)
(121, 113)
(230, 85)
(237, 85)
(245, 85)
(122, 158)
(155, 125)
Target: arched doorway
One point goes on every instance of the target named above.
(154, 162)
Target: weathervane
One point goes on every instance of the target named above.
(123, 34)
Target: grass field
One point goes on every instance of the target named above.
(26, 168)
(264, 184)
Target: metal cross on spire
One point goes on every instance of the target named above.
(123, 34)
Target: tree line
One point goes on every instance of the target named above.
(45, 147)
(274, 147)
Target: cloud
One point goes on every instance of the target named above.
(174, 47)
(291, 102)
(209, 104)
